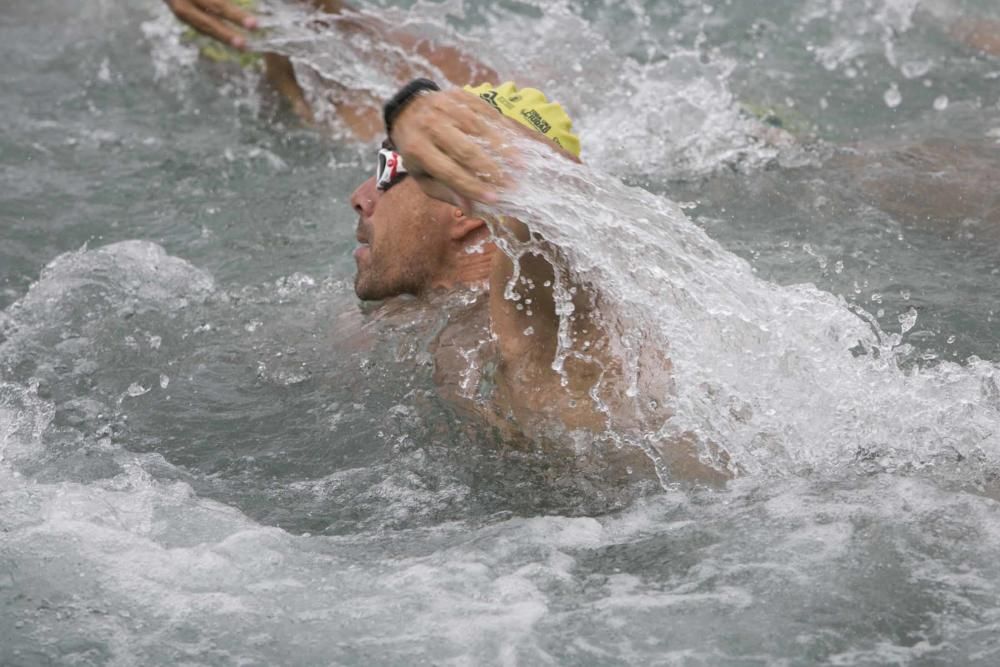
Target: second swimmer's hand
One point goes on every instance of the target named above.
(453, 143)
(217, 19)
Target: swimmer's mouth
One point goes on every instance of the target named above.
(364, 241)
(362, 236)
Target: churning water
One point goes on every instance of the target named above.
(211, 453)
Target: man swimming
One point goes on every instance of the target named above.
(416, 230)
(443, 150)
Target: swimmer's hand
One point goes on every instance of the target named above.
(217, 19)
(454, 145)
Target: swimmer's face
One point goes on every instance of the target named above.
(404, 239)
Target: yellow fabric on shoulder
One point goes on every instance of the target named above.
(222, 53)
(529, 107)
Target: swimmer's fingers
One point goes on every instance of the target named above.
(438, 190)
(195, 13)
(440, 176)
(473, 156)
(473, 116)
(230, 11)
(453, 138)
(477, 119)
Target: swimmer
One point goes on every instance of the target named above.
(417, 235)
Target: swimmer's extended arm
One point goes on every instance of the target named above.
(227, 22)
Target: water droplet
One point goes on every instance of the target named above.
(136, 389)
(104, 72)
(916, 69)
(529, 331)
(907, 320)
(892, 97)
(164, 381)
(941, 103)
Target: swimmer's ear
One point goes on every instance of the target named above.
(463, 225)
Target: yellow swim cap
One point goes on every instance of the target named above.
(529, 107)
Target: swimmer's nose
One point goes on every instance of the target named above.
(363, 199)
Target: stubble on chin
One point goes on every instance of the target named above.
(363, 287)
(371, 285)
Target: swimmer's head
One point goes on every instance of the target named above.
(410, 242)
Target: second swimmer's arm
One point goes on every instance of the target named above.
(226, 22)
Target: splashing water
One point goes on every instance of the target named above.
(785, 378)
(689, 122)
(209, 453)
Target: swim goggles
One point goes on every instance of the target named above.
(390, 169)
